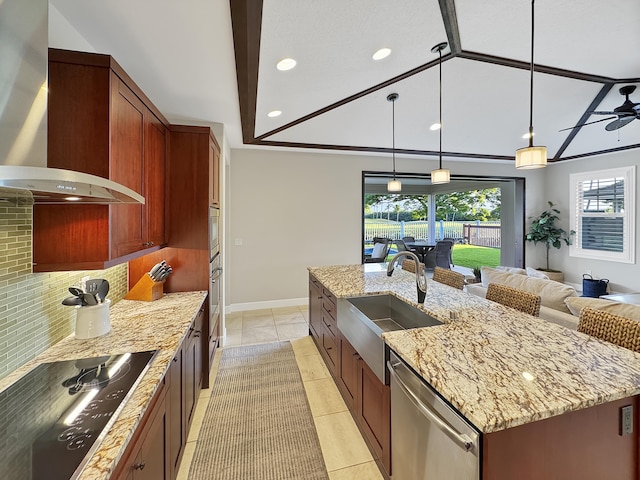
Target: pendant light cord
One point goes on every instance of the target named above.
(531, 80)
(393, 136)
(440, 54)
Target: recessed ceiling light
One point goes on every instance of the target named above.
(526, 135)
(274, 113)
(382, 53)
(435, 126)
(286, 64)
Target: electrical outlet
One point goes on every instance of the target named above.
(238, 242)
(626, 420)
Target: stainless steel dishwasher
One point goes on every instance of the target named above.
(429, 439)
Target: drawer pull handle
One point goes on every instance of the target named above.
(139, 466)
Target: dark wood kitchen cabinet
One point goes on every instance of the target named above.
(177, 430)
(368, 399)
(193, 368)
(101, 123)
(322, 323)
(194, 186)
(148, 455)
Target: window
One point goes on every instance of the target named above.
(602, 214)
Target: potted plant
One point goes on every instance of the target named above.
(477, 273)
(544, 230)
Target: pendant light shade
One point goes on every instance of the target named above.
(394, 185)
(441, 175)
(531, 157)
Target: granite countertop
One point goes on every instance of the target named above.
(500, 368)
(135, 326)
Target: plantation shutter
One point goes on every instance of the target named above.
(601, 217)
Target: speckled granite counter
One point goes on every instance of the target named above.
(135, 326)
(498, 367)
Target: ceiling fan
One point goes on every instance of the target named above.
(624, 114)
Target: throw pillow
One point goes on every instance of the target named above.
(519, 271)
(576, 304)
(533, 273)
(552, 294)
(378, 250)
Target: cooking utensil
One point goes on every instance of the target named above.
(92, 286)
(103, 290)
(89, 299)
(72, 301)
(78, 292)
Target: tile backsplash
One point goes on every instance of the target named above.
(32, 317)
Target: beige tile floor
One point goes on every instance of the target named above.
(343, 448)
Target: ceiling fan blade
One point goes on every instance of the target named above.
(588, 123)
(602, 112)
(619, 123)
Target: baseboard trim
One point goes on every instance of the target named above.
(289, 302)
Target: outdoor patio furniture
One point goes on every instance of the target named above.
(440, 256)
(381, 247)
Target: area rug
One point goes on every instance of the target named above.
(258, 424)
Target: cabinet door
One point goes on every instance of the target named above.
(127, 163)
(373, 412)
(177, 431)
(152, 461)
(348, 371)
(315, 308)
(214, 174)
(155, 152)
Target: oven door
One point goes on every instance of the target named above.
(214, 232)
(214, 287)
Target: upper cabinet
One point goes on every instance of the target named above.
(101, 123)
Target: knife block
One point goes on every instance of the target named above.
(146, 290)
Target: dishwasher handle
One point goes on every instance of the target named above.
(461, 439)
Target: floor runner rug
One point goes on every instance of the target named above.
(258, 424)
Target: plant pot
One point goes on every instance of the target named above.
(553, 275)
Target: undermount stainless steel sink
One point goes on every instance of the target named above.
(363, 319)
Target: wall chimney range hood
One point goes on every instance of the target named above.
(24, 45)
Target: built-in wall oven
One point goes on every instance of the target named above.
(214, 232)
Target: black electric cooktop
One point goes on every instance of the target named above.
(53, 418)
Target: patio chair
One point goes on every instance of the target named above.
(440, 256)
(381, 247)
(611, 328)
(453, 242)
(400, 245)
(511, 297)
(408, 239)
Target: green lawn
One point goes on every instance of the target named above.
(472, 256)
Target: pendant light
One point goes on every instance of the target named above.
(393, 185)
(531, 157)
(441, 175)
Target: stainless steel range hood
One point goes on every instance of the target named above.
(24, 47)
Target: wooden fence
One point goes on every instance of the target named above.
(459, 231)
(481, 235)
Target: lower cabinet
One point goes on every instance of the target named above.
(348, 378)
(148, 456)
(158, 443)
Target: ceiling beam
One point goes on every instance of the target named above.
(592, 106)
(450, 20)
(246, 21)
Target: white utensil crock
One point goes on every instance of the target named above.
(93, 320)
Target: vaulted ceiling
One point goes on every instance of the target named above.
(335, 97)
(182, 55)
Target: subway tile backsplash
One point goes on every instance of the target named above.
(32, 317)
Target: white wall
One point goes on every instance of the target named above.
(624, 277)
(292, 210)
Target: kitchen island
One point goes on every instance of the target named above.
(511, 375)
(163, 325)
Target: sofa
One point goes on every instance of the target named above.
(552, 294)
